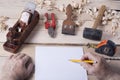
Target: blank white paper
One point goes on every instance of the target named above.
(52, 63)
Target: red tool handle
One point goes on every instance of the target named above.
(47, 24)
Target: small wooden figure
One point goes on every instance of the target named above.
(21, 30)
(69, 25)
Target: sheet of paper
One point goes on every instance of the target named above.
(52, 63)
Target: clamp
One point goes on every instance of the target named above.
(50, 26)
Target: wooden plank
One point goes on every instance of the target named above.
(112, 4)
(18, 5)
(15, 12)
(29, 49)
(40, 35)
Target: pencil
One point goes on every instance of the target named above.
(91, 61)
(78, 61)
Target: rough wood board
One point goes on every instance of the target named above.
(26, 49)
(29, 49)
(40, 34)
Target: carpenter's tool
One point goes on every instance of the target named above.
(95, 34)
(16, 36)
(106, 47)
(50, 26)
(69, 25)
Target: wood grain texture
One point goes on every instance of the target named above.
(14, 8)
(29, 49)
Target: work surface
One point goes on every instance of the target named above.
(13, 9)
(29, 49)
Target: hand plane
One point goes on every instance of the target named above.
(22, 28)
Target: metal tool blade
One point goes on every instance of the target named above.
(68, 29)
(51, 31)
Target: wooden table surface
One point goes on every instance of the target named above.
(29, 49)
(39, 36)
(13, 9)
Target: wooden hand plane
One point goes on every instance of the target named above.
(22, 28)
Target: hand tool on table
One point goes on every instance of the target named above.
(50, 26)
(95, 34)
(16, 36)
(69, 25)
(106, 47)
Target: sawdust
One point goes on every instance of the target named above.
(3, 25)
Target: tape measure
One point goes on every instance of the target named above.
(106, 47)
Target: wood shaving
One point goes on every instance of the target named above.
(80, 5)
(49, 8)
(40, 3)
(84, 2)
(75, 5)
(113, 33)
(105, 13)
(104, 22)
(79, 23)
(109, 10)
(3, 18)
(88, 1)
(47, 2)
(3, 26)
(105, 18)
(115, 23)
(61, 8)
(96, 14)
(114, 17)
(114, 12)
(80, 10)
(94, 9)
